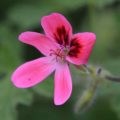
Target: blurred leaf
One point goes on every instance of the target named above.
(44, 109)
(75, 4)
(4, 6)
(71, 4)
(111, 89)
(115, 52)
(117, 16)
(46, 87)
(10, 97)
(113, 65)
(102, 3)
(101, 109)
(29, 15)
(9, 58)
(9, 48)
(103, 24)
(106, 34)
(78, 76)
(115, 103)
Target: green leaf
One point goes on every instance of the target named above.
(100, 109)
(10, 97)
(9, 58)
(102, 3)
(29, 15)
(9, 48)
(111, 89)
(113, 65)
(71, 4)
(44, 109)
(75, 4)
(46, 87)
(106, 33)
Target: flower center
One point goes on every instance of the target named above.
(60, 54)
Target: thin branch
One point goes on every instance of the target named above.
(112, 78)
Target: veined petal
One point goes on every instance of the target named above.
(33, 72)
(81, 47)
(57, 28)
(40, 41)
(63, 84)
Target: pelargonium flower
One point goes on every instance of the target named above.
(60, 48)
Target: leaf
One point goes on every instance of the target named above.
(102, 3)
(101, 109)
(71, 4)
(9, 48)
(111, 88)
(10, 97)
(113, 65)
(43, 109)
(106, 33)
(10, 57)
(46, 87)
(29, 15)
(75, 4)
(110, 91)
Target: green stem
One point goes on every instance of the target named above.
(112, 78)
(88, 94)
(98, 72)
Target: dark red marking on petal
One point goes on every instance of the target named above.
(75, 48)
(61, 36)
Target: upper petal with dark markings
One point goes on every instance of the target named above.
(57, 28)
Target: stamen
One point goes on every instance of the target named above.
(60, 54)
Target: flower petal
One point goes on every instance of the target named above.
(81, 47)
(63, 84)
(33, 72)
(57, 28)
(41, 42)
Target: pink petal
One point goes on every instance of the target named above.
(57, 27)
(33, 72)
(41, 42)
(63, 84)
(81, 47)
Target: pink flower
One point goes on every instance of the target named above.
(60, 47)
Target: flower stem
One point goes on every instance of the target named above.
(112, 78)
(86, 98)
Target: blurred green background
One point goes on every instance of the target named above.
(99, 16)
